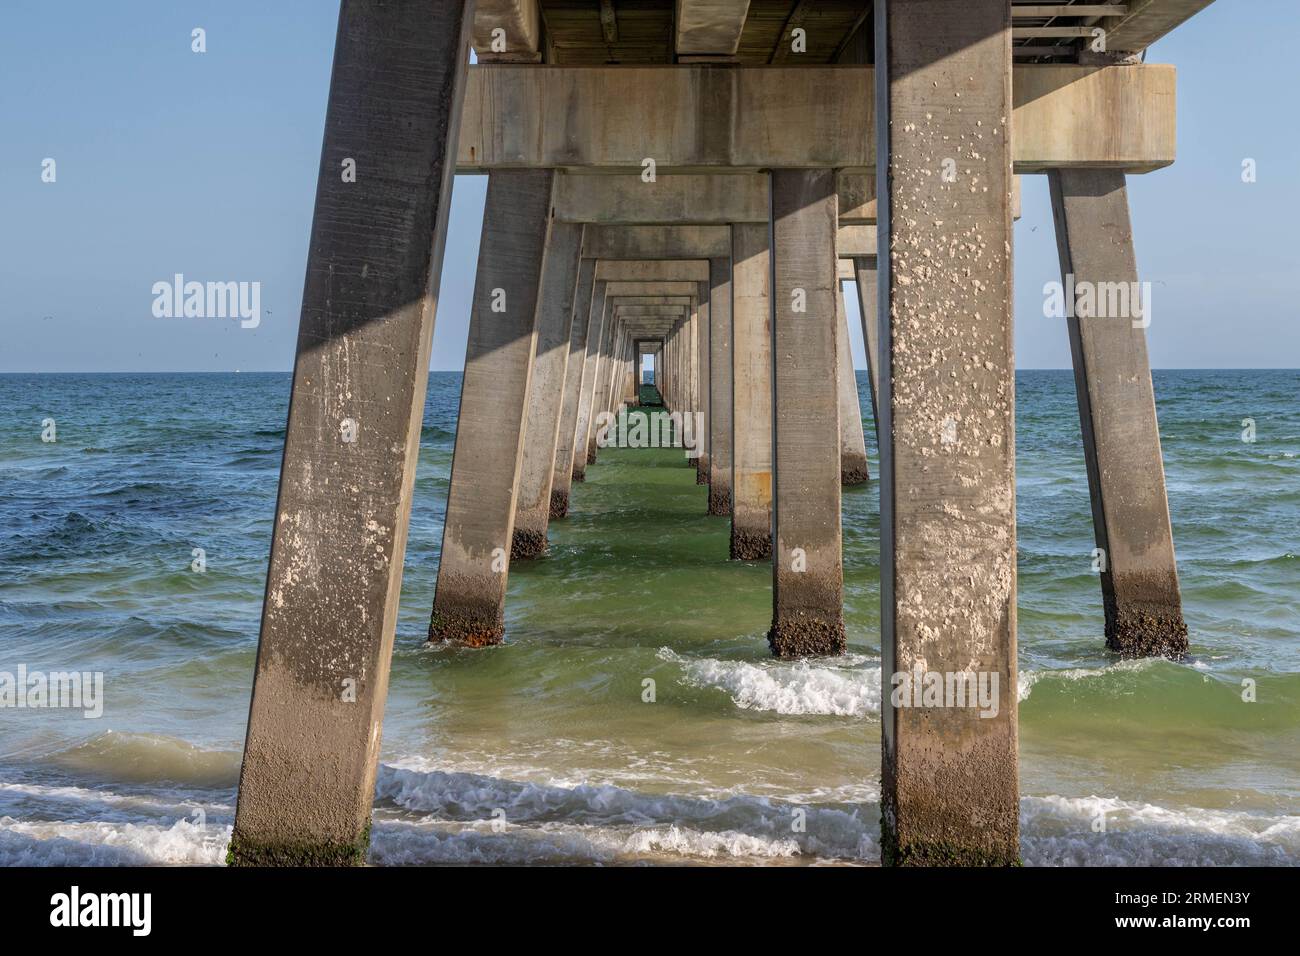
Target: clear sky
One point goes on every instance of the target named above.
(170, 161)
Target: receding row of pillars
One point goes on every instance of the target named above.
(761, 340)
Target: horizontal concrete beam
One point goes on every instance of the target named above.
(695, 242)
(691, 118)
(667, 270)
(699, 198)
(1057, 109)
(615, 290)
(520, 33)
(709, 26)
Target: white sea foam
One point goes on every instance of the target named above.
(1063, 831)
(847, 687)
(435, 817)
(99, 843)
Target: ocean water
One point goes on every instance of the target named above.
(97, 537)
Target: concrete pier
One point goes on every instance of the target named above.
(583, 335)
(1117, 413)
(361, 368)
(948, 496)
(547, 386)
(720, 385)
(807, 573)
(751, 356)
(735, 179)
(469, 602)
(864, 270)
(853, 443)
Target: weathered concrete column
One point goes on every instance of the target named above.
(1117, 411)
(947, 391)
(704, 385)
(853, 444)
(807, 569)
(544, 407)
(582, 333)
(751, 513)
(584, 451)
(362, 365)
(469, 602)
(720, 386)
(864, 268)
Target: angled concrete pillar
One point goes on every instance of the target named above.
(600, 322)
(853, 444)
(807, 573)
(1117, 411)
(544, 408)
(362, 365)
(864, 269)
(583, 333)
(751, 355)
(947, 393)
(720, 386)
(469, 602)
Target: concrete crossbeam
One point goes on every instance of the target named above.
(690, 118)
(709, 26)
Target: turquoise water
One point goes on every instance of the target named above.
(551, 728)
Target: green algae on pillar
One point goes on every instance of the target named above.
(374, 261)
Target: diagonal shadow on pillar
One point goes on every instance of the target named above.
(375, 256)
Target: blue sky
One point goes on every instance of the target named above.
(170, 161)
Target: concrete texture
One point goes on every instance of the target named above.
(601, 331)
(477, 536)
(339, 540)
(585, 329)
(690, 118)
(720, 386)
(864, 273)
(544, 408)
(948, 506)
(1117, 412)
(853, 444)
(807, 570)
(751, 357)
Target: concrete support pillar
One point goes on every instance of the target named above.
(469, 602)
(704, 384)
(864, 267)
(544, 408)
(584, 449)
(720, 386)
(581, 333)
(853, 444)
(1117, 411)
(360, 372)
(807, 570)
(751, 354)
(947, 391)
